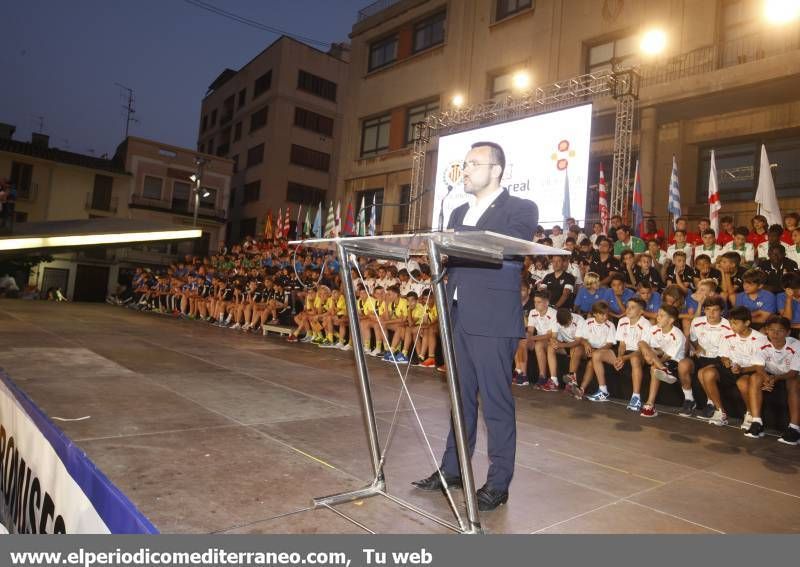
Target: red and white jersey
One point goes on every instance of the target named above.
(709, 336)
(744, 351)
(542, 323)
(672, 343)
(631, 333)
(568, 333)
(597, 334)
(780, 361)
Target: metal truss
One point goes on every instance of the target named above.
(622, 85)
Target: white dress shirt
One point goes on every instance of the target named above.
(475, 212)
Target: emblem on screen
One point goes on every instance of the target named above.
(453, 173)
(562, 154)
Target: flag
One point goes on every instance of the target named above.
(372, 218)
(349, 229)
(765, 195)
(565, 204)
(316, 230)
(601, 186)
(330, 222)
(299, 228)
(268, 226)
(287, 223)
(637, 208)
(362, 221)
(674, 203)
(337, 223)
(279, 223)
(714, 204)
(307, 225)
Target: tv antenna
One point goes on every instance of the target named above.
(128, 107)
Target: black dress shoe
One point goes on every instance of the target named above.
(434, 482)
(489, 498)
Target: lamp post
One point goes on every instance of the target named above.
(197, 179)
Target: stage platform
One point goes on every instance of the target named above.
(209, 430)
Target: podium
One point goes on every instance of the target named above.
(484, 247)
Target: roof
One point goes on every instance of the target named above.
(223, 78)
(61, 156)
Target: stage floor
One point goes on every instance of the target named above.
(207, 430)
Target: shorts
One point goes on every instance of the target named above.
(704, 361)
(725, 375)
(671, 367)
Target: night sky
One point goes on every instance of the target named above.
(60, 59)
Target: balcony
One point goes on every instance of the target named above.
(375, 8)
(179, 207)
(100, 204)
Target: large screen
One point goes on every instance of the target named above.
(541, 151)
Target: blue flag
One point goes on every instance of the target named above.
(565, 205)
(317, 229)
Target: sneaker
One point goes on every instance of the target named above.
(442, 368)
(520, 380)
(327, 344)
(347, 346)
(746, 421)
(577, 391)
(707, 412)
(790, 437)
(687, 409)
(273, 322)
(648, 411)
(429, 362)
(549, 386)
(540, 382)
(719, 418)
(307, 339)
(635, 404)
(400, 358)
(664, 376)
(317, 340)
(388, 356)
(598, 396)
(289, 339)
(755, 431)
(375, 352)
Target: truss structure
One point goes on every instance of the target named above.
(623, 85)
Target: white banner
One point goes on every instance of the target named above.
(540, 151)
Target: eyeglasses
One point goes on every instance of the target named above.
(468, 164)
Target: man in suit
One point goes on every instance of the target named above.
(487, 324)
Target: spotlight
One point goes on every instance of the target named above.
(206, 193)
(781, 11)
(653, 42)
(193, 178)
(521, 80)
(458, 101)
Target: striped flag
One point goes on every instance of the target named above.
(317, 228)
(372, 218)
(362, 221)
(279, 223)
(565, 214)
(638, 209)
(287, 223)
(674, 203)
(349, 222)
(330, 223)
(298, 227)
(268, 226)
(603, 200)
(714, 204)
(307, 225)
(337, 223)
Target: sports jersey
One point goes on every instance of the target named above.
(780, 302)
(585, 299)
(775, 273)
(398, 309)
(557, 284)
(341, 306)
(713, 252)
(597, 334)
(613, 302)
(686, 248)
(780, 361)
(631, 333)
(687, 276)
(764, 301)
(763, 249)
(709, 336)
(418, 313)
(309, 306)
(651, 276)
(604, 267)
(328, 305)
(744, 351)
(654, 303)
(793, 253)
(568, 333)
(367, 306)
(746, 252)
(542, 323)
(671, 343)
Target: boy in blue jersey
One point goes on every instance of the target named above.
(788, 301)
(617, 296)
(651, 298)
(589, 294)
(760, 302)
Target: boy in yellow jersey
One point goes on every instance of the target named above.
(430, 328)
(301, 319)
(335, 318)
(395, 320)
(367, 319)
(323, 304)
(415, 318)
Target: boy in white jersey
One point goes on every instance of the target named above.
(740, 354)
(541, 320)
(630, 331)
(663, 349)
(564, 340)
(705, 337)
(597, 335)
(781, 362)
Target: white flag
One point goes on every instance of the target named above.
(765, 195)
(714, 204)
(337, 228)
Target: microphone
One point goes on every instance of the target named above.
(441, 208)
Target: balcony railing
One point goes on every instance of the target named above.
(375, 8)
(98, 205)
(179, 207)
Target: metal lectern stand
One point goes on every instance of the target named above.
(481, 246)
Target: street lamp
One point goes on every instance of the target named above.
(197, 190)
(458, 101)
(653, 42)
(521, 80)
(781, 11)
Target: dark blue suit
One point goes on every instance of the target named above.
(487, 326)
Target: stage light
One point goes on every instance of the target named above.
(521, 80)
(206, 193)
(26, 243)
(653, 42)
(193, 178)
(458, 101)
(781, 11)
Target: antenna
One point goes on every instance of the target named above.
(40, 120)
(128, 107)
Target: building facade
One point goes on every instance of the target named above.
(279, 119)
(727, 80)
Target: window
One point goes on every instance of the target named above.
(375, 135)
(506, 8)
(232, 198)
(310, 158)
(429, 32)
(204, 125)
(152, 187)
(368, 196)
(405, 198)
(235, 163)
(101, 193)
(247, 227)
(316, 85)
(213, 118)
(210, 146)
(623, 51)
(382, 53)
(501, 85)
(237, 132)
(259, 119)
(252, 192)
(242, 98)
(304, 194)
(227, 110)
(418, 114)
(21, 176)
(255, 155)
(313, 121)
(181, 193)
(262, 84)
(209, 202)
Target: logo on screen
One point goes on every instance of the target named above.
(562, 154)
(454, 173)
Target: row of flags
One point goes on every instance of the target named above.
(766, 197)
(306, 227)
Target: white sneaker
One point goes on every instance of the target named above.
(246, 327)
(235, 327)
(746, 422)
(664, 376)
(719, 418)
(348, 346)
(375, 352)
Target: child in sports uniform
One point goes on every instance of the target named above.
(597, 334)
(540, 324)
(663, 348)
(564, 340)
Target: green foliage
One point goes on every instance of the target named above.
(21, 263)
